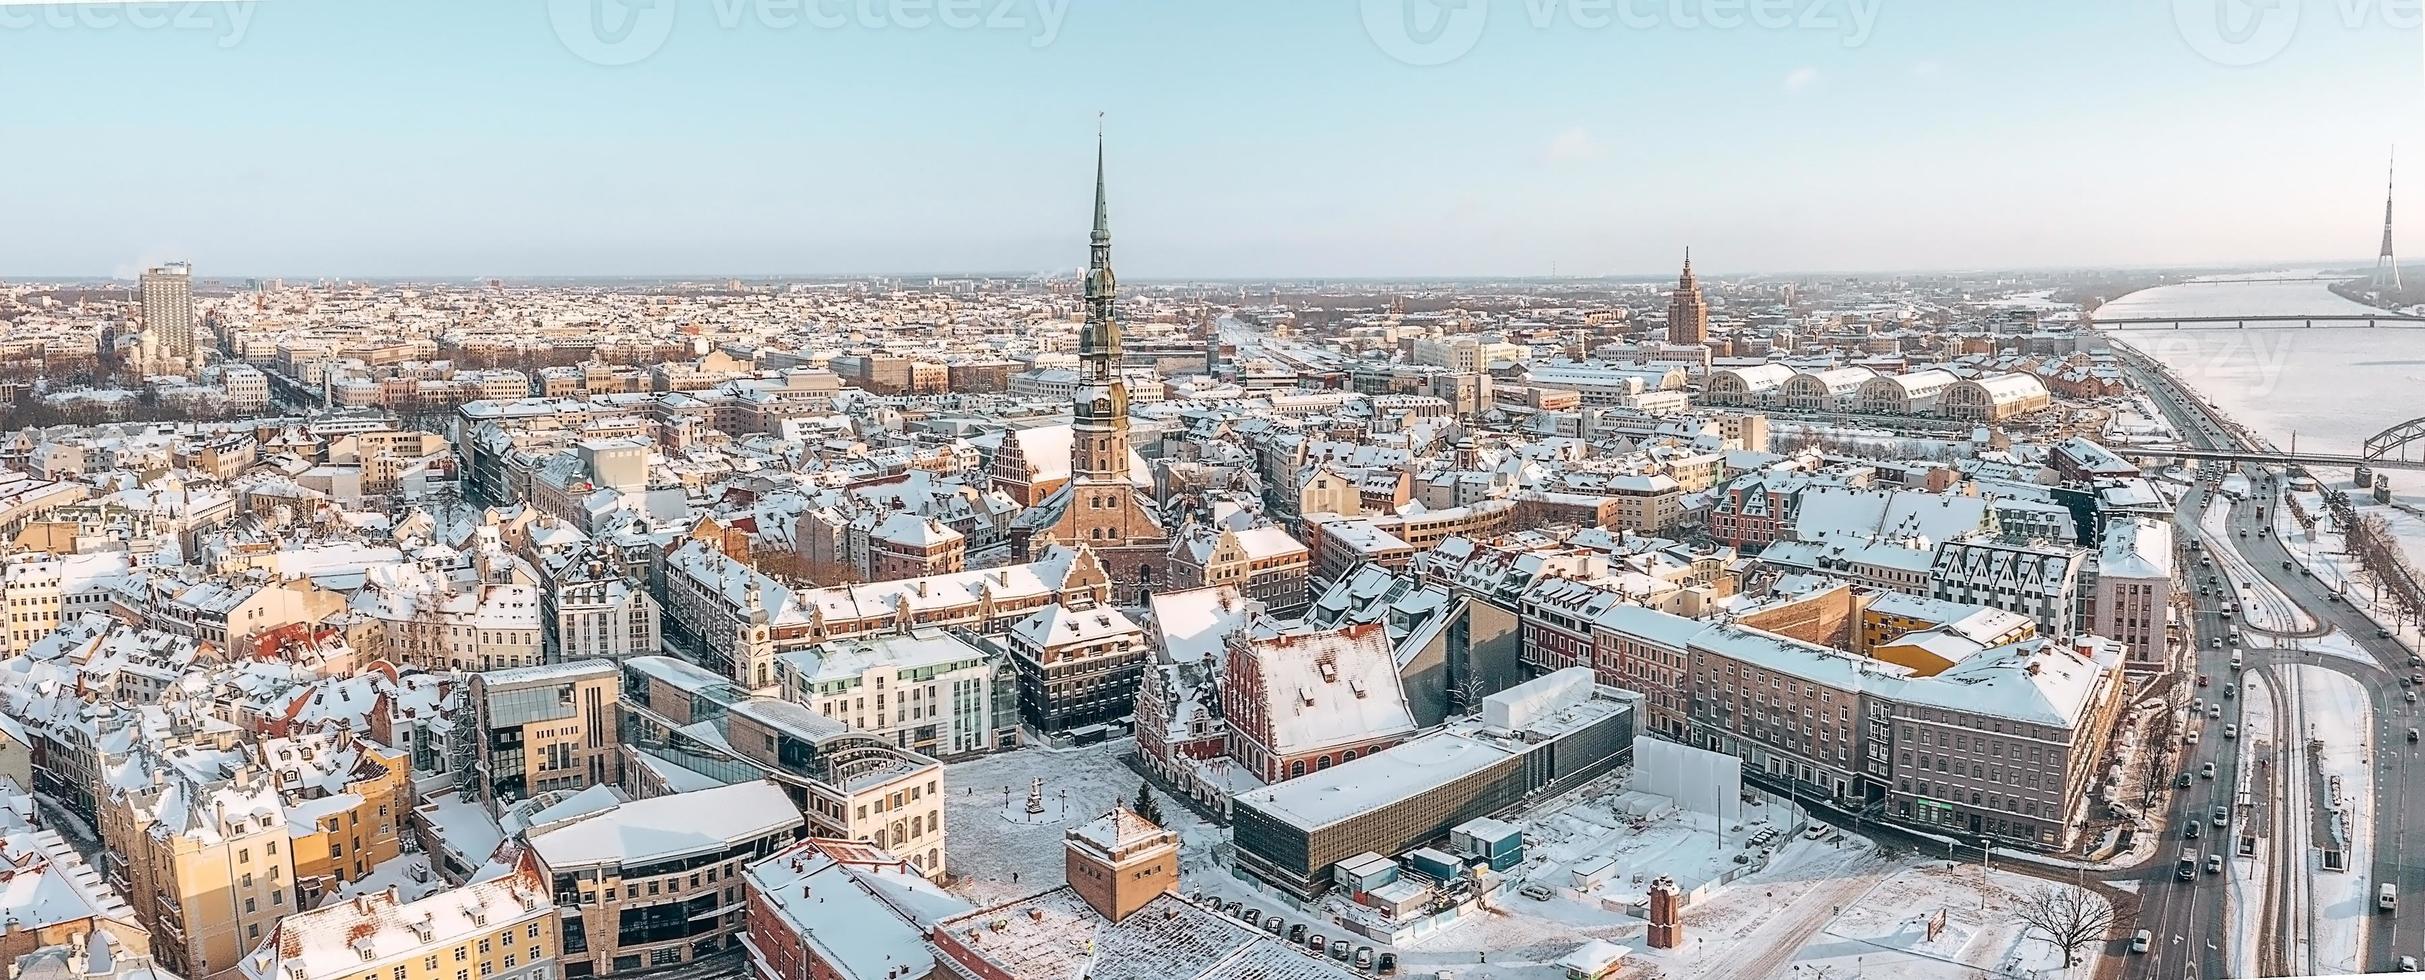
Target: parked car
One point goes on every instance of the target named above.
(2181, 782)
(2222, 815)
(2142, 941)
(2214, 864)
(1386, 964)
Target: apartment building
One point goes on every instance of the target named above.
(544, 728)
(2004, 744)
(1078, 666)
(41, 591)
(595, 612)
(1265, 563)
(2037, 580)
(420, 615)
(212, 854)
(503, 928)
(2131, 595)
(933, 692)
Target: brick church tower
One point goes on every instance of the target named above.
(1100, 507)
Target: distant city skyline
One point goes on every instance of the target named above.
(1259, 140)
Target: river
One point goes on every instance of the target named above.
(2327, 388)
(2330, 387)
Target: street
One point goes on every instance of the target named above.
(2191, 923)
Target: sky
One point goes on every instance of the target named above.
(1247, 138)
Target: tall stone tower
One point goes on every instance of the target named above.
(1100, 508)
(1687, 315)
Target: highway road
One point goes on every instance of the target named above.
(2190, 920)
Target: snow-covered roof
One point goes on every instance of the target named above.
(669, 826)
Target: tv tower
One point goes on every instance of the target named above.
(2386, 268)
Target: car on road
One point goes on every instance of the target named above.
(2231, 731)
(2243, 532)
(2214, 864)
(2285, 564)
(2222, 815)
(2191, 738)
(2192, 832)
(2216, 643)
(2181, 781)
(2412, 734)
(2206, 771)
(2142, 941)
(2230, 689)
(2214, 711)
(2382, 632)
(2407, 964)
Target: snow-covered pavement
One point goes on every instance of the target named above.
(2246, 877)
(999, 852)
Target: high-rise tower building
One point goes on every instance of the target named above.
(1100, 508)
(2387, 267)
(1687, 315)
(168, 308)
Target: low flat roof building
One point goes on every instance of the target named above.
(1546, 735)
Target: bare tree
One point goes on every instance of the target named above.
(2071, 918)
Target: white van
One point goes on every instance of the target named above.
(2387, 898)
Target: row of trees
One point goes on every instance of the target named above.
(2378, 551)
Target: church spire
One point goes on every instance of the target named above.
(1102, 200)
(1099, 342)
(1100, 411)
